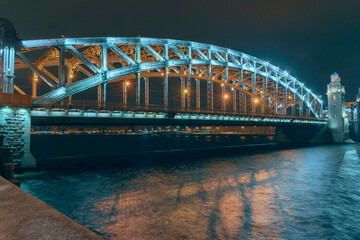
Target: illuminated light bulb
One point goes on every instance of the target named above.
(226, 96)
(222, 84)
(127, 83)
(185, 91)
(256, 100)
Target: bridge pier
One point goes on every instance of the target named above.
(15, 125)
(355, 126)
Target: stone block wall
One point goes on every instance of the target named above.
(15, 126)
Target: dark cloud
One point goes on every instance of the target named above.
(309, 38)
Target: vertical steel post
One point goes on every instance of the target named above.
(223, 105)
(146, 81)
(277, 93)
(7, 57)
(69, 81)
(266, 86)
(210, 102)
(197, 81)
(308, 100)
(234, 100)
(104, 85)
(125, 86)
(166, 89)
(286, 97)
(100, 96)
(34, 85)
(182, 93)
(188, 87)
(302, 101)
(294, 97)
(166, 81)
(241, 79)
(62, 70)
(138, 92)
(253, 91)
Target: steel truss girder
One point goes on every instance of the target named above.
(216, 56)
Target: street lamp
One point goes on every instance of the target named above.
(185, 93)
(125, 87)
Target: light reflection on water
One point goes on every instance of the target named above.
(308, 193)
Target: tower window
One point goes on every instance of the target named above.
(334, 97)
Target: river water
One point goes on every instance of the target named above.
(299, 193)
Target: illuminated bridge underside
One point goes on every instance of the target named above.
(248, 83)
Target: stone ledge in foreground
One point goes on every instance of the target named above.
(25, 217)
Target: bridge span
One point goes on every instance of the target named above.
(136, 81)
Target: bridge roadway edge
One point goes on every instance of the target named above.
(26, 217)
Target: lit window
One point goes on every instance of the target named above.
(334, 98)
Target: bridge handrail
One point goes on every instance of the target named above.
(113, 106)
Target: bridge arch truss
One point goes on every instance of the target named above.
(234, 81)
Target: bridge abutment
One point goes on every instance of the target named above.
(355, 125)
(15, 126)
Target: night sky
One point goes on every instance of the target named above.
(310, 39)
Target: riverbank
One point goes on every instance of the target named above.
(25, 217)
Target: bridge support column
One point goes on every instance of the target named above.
(34, 86)
(223, 97)
(125, 90)
(210, 91)
(62, 66)
(234, 100)
(183, 92)
(336, 109)
(146, 81)
(197, 81)
(138, 92)
(15, 124)
(253, 92)
(188, 87)
(100, 96)
(166, 89)
(7, 56)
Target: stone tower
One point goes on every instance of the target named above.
(336, 109)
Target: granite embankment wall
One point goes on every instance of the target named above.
(24, 217)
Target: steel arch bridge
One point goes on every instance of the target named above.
(235, 82)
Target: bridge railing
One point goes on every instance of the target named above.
(93, 105)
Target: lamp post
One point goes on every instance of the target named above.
(226, 97)
(126, 84)
(185, 95)
(256, 101)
